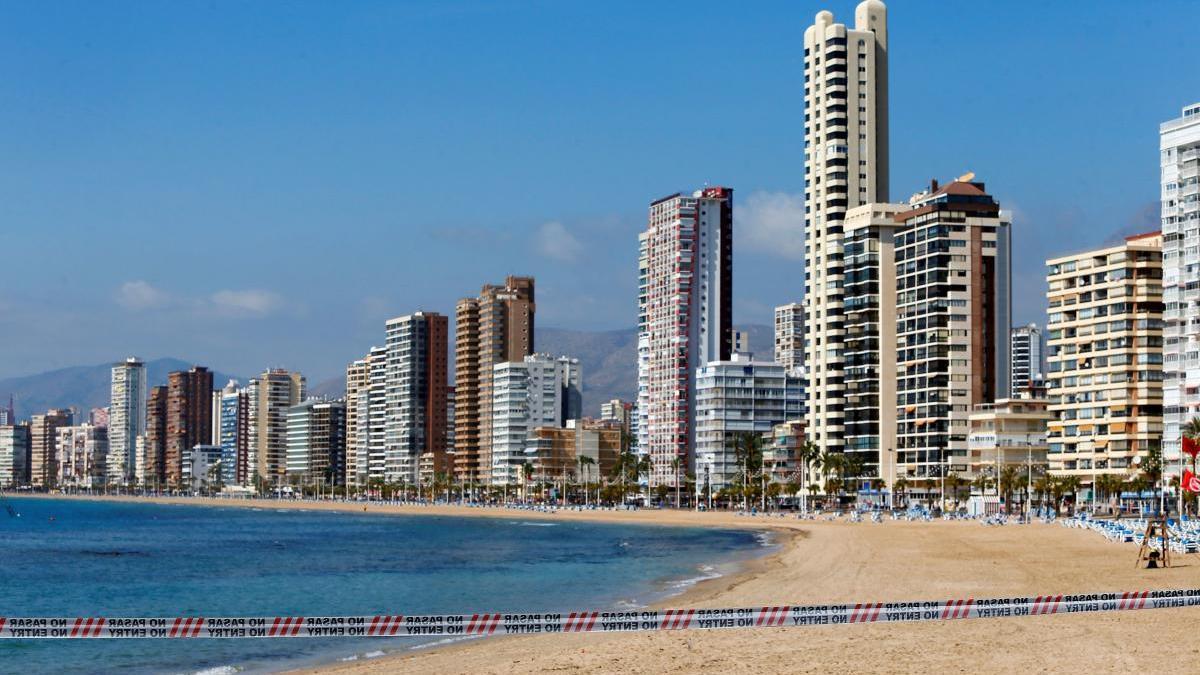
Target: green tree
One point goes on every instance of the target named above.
(747, 449)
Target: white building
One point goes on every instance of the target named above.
(80, 456)
(14, 455)
(789, 336)
(845, 165)
(738, 395)
(541, 391)
(1179, 145)
(202, 467)
(1028, 359)
(126, 419)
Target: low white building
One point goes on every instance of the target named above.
(738, 395)
(81, 454)
(541, 391)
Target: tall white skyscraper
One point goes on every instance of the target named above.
(845, 165)
(685, 319)
(1179, 146)
(126, 419)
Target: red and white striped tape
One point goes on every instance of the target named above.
(498, 623)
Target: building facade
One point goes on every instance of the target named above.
(1105, 363)
(80, 456)
(1028, 359)
(127, 419)
(1179, 157)
(233, 434)
(845, 165)
(869, 339)
(43, 441)
(154, 445)
(953, 316)
(271, 395)
(685, 320)
(738, 395)
(416, 395)
(540, 391)
(554, 453)
(1008, 432)
(316, 443)
(14, 455)
(189, 418)
(496, 327)
(789, 336)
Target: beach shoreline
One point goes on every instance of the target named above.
(819, 562)
(747, 566)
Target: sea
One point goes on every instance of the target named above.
(90, 558)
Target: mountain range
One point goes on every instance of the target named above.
(83, 387)
(608, 360)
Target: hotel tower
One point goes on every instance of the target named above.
(1179, 157)
(845, 165)
(685, 320)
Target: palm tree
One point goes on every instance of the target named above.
(1152, 467)
(675, 463)
(806, 455)
(527, 474)
(1008, 484)
(900, 486)
(954, 483)
(585, 461)
(747, 449)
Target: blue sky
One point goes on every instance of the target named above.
(263, 183)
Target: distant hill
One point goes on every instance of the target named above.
(84, 387)
(608, 360)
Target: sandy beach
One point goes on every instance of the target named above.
(820, 562)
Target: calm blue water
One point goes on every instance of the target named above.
(124, 559)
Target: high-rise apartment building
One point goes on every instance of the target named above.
(845, 165)
(496, 327)
(416, 391)
(189, 418)
(869, 365)
(271, 394)
(1105, 371)
(14, 455)
(1028, 359)
(735, 396)
(789, 336)
(232, 430)
(80, 456)
(1179, 157)
(357, 384)
(953, 316)
(540, 391)
(126, 419)
(316, 442)
(43, 441)
(154, 444)
(685, 319)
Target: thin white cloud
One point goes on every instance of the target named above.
(772, 223)
(140, 295)
(556, 242)
(248, 302)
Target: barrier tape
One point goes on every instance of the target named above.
(497, 623)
